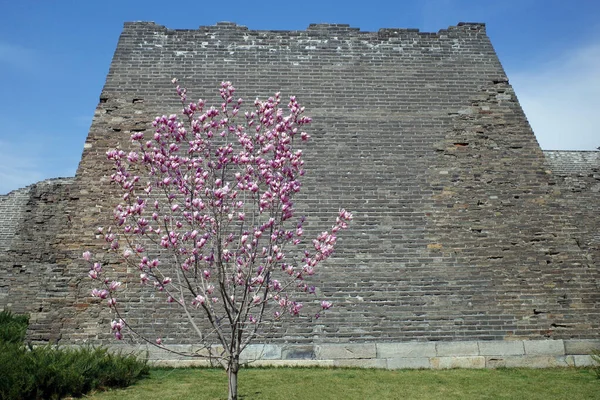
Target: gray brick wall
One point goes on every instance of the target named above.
(11, 210)
(34, 279)
(564, 163)
(577, 177)
(461, 232)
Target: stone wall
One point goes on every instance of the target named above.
(404, 355)
(506, 243)
(32, 265)
(462, 233)
(11, 212)
(577, 177)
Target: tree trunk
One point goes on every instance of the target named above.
(232, 375)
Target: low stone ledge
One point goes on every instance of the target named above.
(182, 363)
(153, 352)
(345, 351)
(458, 362)
(291, 363)
(581, 346)
(261, 352)
(203, 351)
(298, 352)
(501, 348)
(409, 363)
(457, 348)
(406, 350)
(362, 363)
(408, 355)
(544, 347)
(580, 361)
(526, 362)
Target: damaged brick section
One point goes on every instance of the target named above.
(537, 252)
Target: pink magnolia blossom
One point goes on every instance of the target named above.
(102, 293)
(213, 223)
(117, 326)
(199, 300)
(326, 305)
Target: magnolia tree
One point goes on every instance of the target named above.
(207, 216)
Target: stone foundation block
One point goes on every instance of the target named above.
(361, 363)
(501, 348)
(261, 352)
(408, 363)
(291, 363)
(457, 349)
(298, 352)
(171, 353)
(458, 362)
(574, 346)
(526, 362)
(183, 363)
(544, 347)
(410, 350)
(581, 361)
(344, 351)
(131, 348)
(203, 351)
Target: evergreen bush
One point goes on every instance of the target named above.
(596, 358)
(12, 327)
(53, 372)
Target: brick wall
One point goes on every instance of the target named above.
(32, 266)
(460, 232)
(11, 209)
(577, 177)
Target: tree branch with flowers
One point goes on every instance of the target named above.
(207, 216)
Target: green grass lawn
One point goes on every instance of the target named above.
(361, 384)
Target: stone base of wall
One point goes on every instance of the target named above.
(407, 355)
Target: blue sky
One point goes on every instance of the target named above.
(54, 57)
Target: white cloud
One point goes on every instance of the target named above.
(561, 99)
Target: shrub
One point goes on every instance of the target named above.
(596, 358)
(12, 327)
(15, 379)
(75, 371)
(52, 372)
